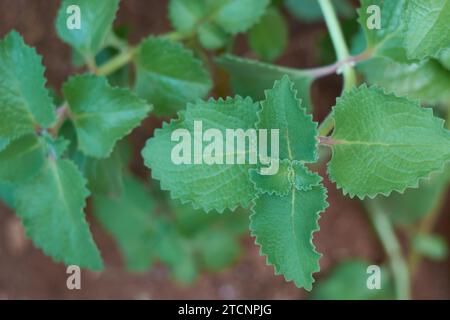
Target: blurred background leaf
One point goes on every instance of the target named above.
(348, 281)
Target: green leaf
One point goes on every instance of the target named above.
(279, 183)
(186, 14)
(219, 16)
(283, 227)
(251, 78)
(236, 16)
(282, 110)
(131, 219)
(290, 173)
(427, 30)
(348, 281)
(3, 143)
(105, 175)
(22, 159)
(215, 186)
(309, 10)
(217, 249)
(96, 23)
(426, 80)
(269, 37)
(444, 58)
(168, 75)
(414, 204)
(51, 208)
(7, 193)
(191, 222)
(174, 251)
(431, 246)
(384, 143)
(102, 114)
(24, 101)
(212, 36)
(391, 21)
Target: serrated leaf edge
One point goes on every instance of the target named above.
(149, 108)
(301, 109)
(158, 176)
(41, 246)
(40, 67)
(313, 247)
(419, 180)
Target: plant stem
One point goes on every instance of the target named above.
(425, 227)
(62, 113)
(177, 36)
(335, 67)
(90, 63)
(339, 44)
(116, 63)
(344, 59)
(386, 234)
(327, 125)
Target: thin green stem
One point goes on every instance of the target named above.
(386, 234)
(177, 36)
(116, 63)
(90, 63)
(345, 61)
(339, 44)
(327, 125)
(425, 227)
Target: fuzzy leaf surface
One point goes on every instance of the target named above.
(24, 101)
(428, 80)
(22, 158)
(283, 227)
(51, 208)
(384, 143)
(215, 186)
(282, 110)
(168, 75)
(427, 28)
(102, 114)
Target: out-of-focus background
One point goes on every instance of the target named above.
(345, 230)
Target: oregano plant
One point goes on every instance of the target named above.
(383, 138)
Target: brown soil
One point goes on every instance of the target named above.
(345, 231)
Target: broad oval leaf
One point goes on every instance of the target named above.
(209, 186)
(102, 114)
(51, 208)
(384, 143)
(168, 75)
